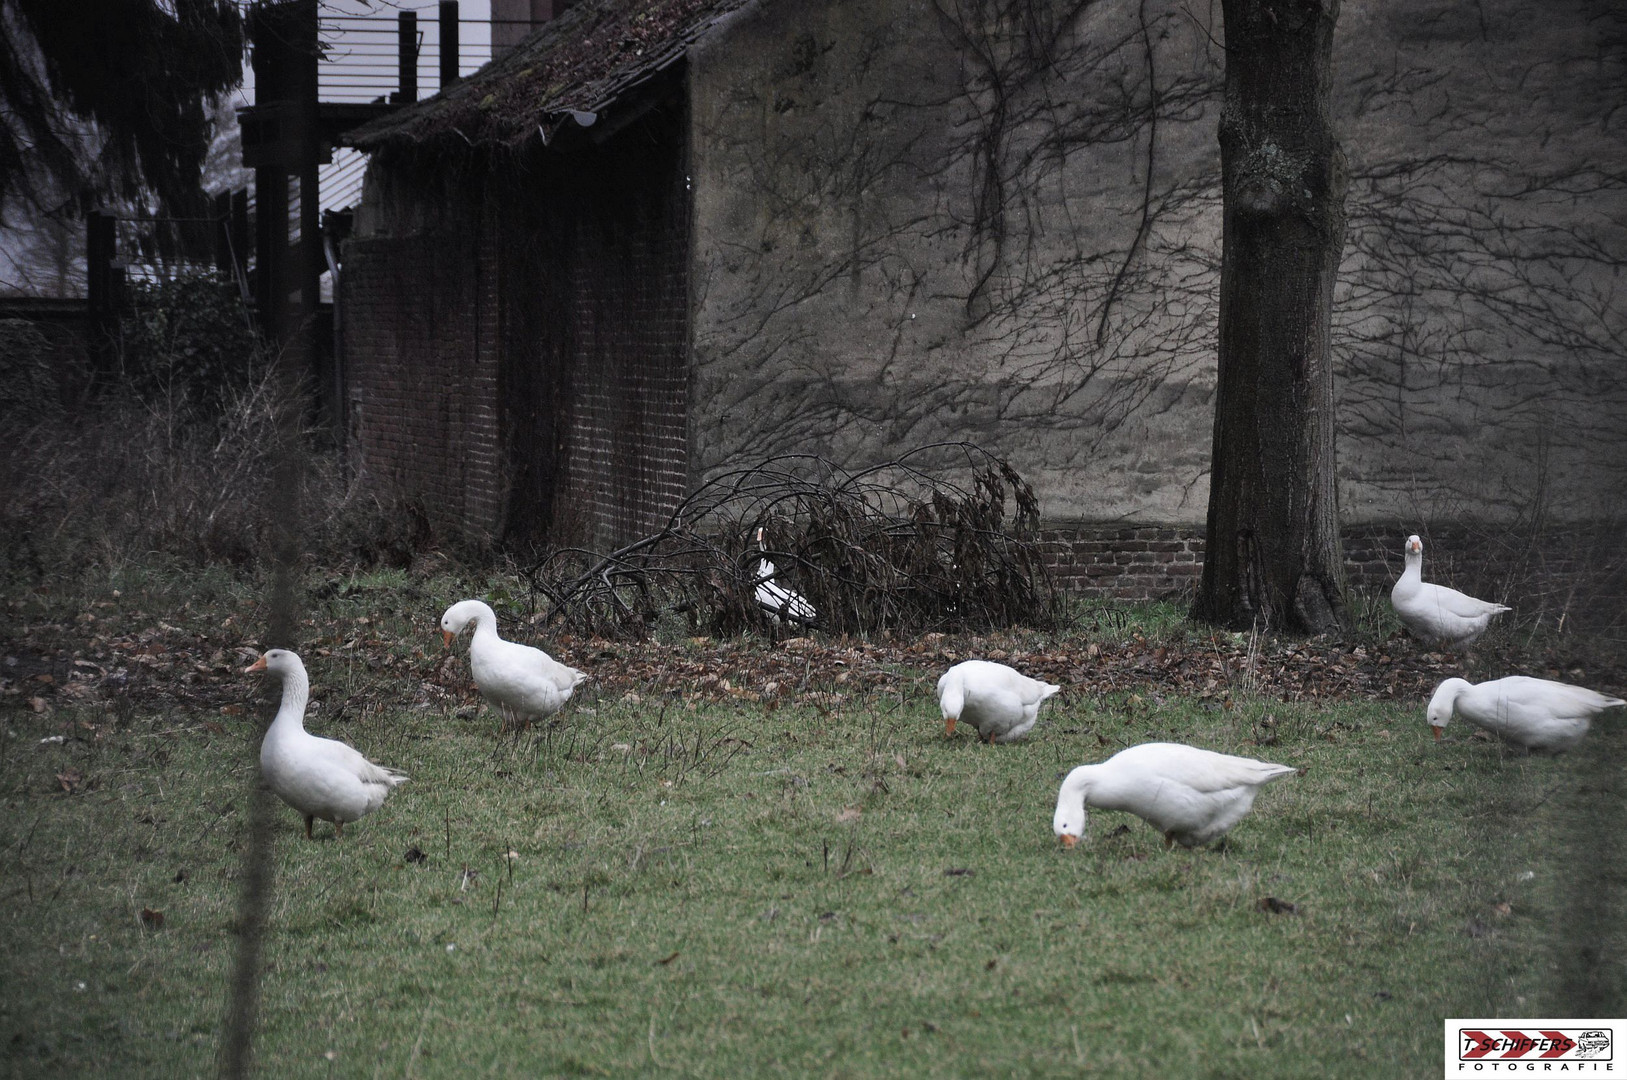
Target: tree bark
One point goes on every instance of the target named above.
(1273, 551)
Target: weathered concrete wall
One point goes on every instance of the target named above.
(916, 221)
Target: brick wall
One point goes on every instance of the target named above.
(1575, 572)
(1140, 562)
(421, 374)
(516, 335)
(1571, 572)
(624, 465)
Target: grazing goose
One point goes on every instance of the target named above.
(1538, 714)
(521, 683)
(1192, 796)
(1000, 702)
(785, 605)
(1435, 613)
(321, 778)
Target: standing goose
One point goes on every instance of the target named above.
(785, 605)
(1192, 796)
(1435, 613)
(521, 683)
(321, 778)
(1000, 702)
(1538, 714)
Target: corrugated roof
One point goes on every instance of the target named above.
(570, 70)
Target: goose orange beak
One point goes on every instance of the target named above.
(258, 665)
(1068, 840)
(1437, 732)
(448, 636)
(949, 726)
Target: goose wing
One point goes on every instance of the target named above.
(1203, 771)
(1451, 602)
(351, 763)
(523, 677)
(1554, 698)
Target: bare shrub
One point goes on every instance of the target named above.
(187, 345)
(126, 478)
(38, 376)
(899, 546)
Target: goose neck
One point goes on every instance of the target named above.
(1443, 702)
(1412, 576)
(296, 693)
(485, 626)
(1079, 782)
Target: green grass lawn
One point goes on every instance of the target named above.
(701, 876)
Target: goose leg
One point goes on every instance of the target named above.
(338, 830)
(1169, 840)
(309, 819)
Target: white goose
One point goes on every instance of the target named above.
(1538, 714)
(520, 682)
(1001, 702)
(1435, 613)
(782, 603)
(321, 778)
(1192, 796)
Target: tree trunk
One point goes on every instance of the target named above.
(1273, 551)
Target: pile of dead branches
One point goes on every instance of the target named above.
(895, 547)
